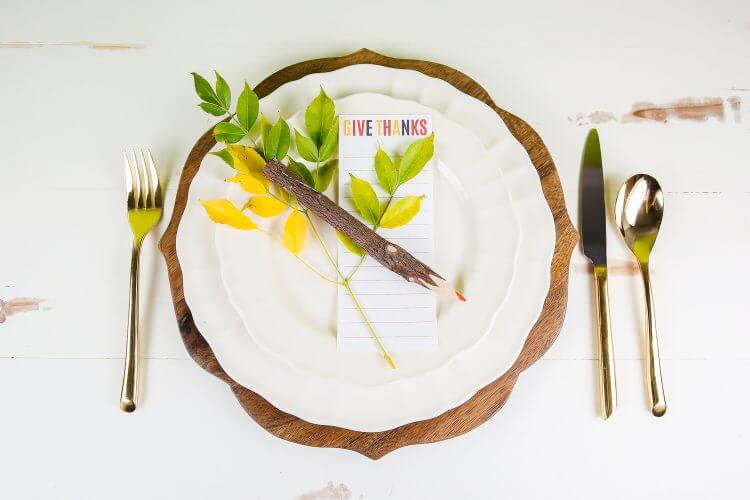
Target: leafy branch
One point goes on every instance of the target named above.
(217, 102)
(248, 149)
(391, 175)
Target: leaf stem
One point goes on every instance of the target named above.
(374, 334)
(320, 274)
(315, 173)
(347, 286)
(385, 208)
(356, 267)
(269, 193)
(307, 264)
(334, 264)
(233, 117)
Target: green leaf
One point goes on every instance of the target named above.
(349, 244)
(265, 126)
(247, 107)
(204, 90)
(224, 155)
(324, 174)
(285, 140)
(365, 200)
(401, 212)
(277, 140)
(228, 132)
(331, 142)
(386, 171)
(415, 158)
(222, 91)
(212, 108)
(302, 172)
(306, 147)
(319, 117)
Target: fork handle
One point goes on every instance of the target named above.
(128, 393)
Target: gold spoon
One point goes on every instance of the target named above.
(638, 212)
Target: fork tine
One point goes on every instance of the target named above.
(136, 178)
(146, 188)
(155, 184)
(128, 174)
(151, 181)
(132, 180)
(142, 182)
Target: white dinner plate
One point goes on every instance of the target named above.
(291, 313)
(295, 365)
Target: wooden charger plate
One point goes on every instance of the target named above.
(487, 401)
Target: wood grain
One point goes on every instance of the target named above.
(487, 401)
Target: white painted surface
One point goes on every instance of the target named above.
(66, 110)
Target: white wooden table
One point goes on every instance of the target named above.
(81, 79)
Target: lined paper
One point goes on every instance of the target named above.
(403, 314)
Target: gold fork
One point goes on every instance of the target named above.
(144, 211)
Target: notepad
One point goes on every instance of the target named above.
(403, 314)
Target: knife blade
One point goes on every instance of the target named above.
(593, 212)
(593, 227)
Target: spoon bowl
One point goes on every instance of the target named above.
(638, 211)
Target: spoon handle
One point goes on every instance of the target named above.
(656, 389)
(607, 385)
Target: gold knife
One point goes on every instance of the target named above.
(593, 225)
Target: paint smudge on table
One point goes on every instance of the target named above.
(84, 44)
(330, 492)
(614, 267)
(680, 109)
(594, 118)
(18, 305)
(684, 109)
(735, 105)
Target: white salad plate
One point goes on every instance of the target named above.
(271, 323)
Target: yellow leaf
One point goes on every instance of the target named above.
(401, 212)
(265, 206)
(349, 244)
(251, 183)
(246, 160)
(223, 212)
(365, 200)
(283, 194)
(294, 232)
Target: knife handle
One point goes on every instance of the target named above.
(607, 385)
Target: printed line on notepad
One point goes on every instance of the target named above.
(395, 198)
(391, 337)
(388, 308)
(384, 322)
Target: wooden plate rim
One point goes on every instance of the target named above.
(488, 400)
